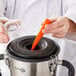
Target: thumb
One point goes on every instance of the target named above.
(4, 20)
(53, 19)
(1, 27)
(12, 24)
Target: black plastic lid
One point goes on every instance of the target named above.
(20, 49)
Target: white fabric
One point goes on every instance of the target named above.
(32, 13)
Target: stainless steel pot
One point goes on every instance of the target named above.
(42, 61)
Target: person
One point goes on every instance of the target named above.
(32, 13)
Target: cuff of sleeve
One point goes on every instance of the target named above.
(71, 14)
(71, 36)
(71, 18)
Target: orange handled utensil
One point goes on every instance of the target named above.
(40, 34)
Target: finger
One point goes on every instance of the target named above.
(3, 38)
(58, 36)
(51, 26)
(53, 19)
(1, 27)
(61, 30)
(55, 30)
(57, 22)
(4, 20)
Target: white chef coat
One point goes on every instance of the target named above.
(32, 13)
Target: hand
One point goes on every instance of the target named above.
(59, 27)
(4, 26)
(3, 37)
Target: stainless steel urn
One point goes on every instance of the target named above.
(42, 61)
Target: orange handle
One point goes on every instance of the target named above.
(40, 34)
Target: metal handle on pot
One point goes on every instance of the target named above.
(1, 58)
(71, 70)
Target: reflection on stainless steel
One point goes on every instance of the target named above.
(45, 68)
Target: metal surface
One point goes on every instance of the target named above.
(40, 62)
(24, 62)
(19, 68)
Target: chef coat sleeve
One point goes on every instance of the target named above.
(70, 12)
(2, 8)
